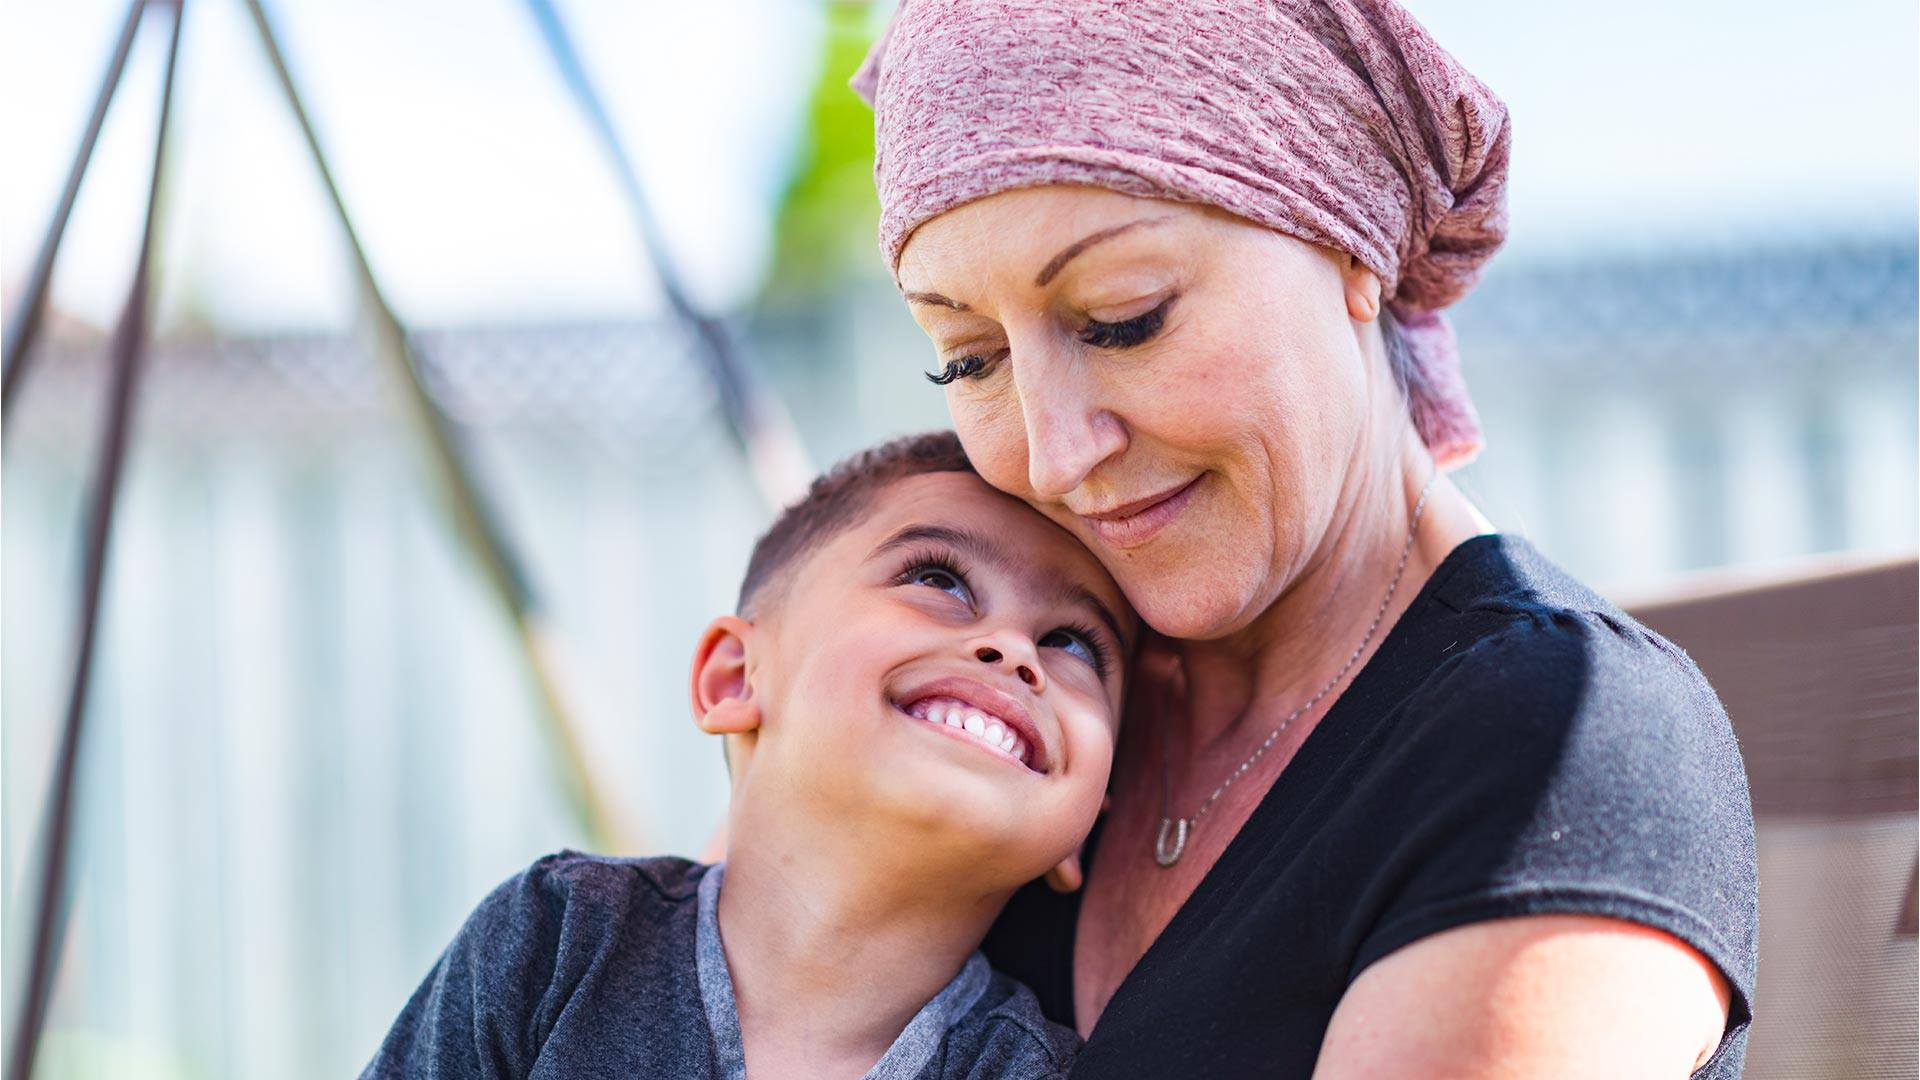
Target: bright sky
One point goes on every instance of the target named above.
(481, 197)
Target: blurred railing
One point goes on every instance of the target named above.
(1652, 414)
(1818, 669)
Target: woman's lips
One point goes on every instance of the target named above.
(1135, 523)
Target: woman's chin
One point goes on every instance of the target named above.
(1201, 609)
(1199, 585)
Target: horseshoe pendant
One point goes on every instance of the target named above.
(1165, 853)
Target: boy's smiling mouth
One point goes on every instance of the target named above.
(981, 715)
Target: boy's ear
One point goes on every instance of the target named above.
(722, 697)
(1066, 877)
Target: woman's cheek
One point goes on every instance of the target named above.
(994, 437)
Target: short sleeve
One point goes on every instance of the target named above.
(484, 1008)
(1572, 763)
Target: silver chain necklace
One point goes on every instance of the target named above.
(1171, 841)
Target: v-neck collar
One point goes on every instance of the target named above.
(904, 1059)
(1311, 748)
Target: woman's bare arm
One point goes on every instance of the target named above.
(1543, 995)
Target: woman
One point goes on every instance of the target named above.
(1402, 799)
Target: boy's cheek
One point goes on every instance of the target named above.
(1090, 749)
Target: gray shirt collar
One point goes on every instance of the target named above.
(906, 1058)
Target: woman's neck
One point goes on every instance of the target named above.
(833, 953)
(1310, 633)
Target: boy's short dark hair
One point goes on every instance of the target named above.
(836, 500)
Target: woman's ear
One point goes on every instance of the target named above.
(1362, 290)
(722, 697)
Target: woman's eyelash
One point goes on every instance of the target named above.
(1127, 333)
(1100, 335)
(966, 367)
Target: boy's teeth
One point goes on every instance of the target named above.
(993, 733)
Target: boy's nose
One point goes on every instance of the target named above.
(987, 654)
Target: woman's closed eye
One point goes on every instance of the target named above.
(971, 366)
(1122, 334)
(1080, 642)
(1126, 333)
(974, 365)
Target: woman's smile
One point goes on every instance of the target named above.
(1132, 524)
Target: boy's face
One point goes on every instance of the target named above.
(952, 664)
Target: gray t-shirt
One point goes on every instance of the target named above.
(588, 966)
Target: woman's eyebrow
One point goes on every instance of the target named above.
(937, 300)
(1052, 269)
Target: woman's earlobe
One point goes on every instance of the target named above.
(1363, 292)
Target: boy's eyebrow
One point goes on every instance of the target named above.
(1085, 596)
(987, 551)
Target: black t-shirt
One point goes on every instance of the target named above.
(1516, 746)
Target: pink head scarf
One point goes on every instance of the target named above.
(1340, 122)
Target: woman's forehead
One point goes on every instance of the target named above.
(1011, 229)
(1022, 241)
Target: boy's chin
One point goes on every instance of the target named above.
(996, 822)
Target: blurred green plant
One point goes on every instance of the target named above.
(828, 218)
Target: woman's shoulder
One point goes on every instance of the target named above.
(1546, 753)
(1512, 641)
(1567, 741)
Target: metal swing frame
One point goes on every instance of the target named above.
(757, 420)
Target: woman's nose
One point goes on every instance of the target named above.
(1016, 654)
(1068, 433)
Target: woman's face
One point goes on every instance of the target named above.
(1183, 390)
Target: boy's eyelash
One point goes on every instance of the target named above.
(1127, 333)
(1102, 654)
(931, 559)
(946, 562)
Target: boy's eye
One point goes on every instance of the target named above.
(939, 577)
(1078, 643)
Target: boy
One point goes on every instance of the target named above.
(919, 697)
